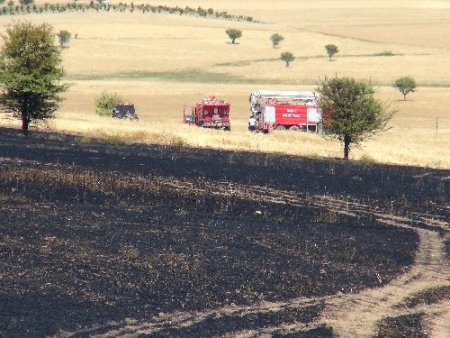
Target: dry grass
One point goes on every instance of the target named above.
(162, 62)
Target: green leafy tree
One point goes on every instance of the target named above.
(287, 57)
(26, 2)
(405, 85)
(63, 37)
(331, 50)
(233, 34)
(105, 104)
(202, 12)
(351, 112)
(30, 72)
(276, 39)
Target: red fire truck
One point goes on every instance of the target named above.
(209, 113)
(282, 115)
(283, 110)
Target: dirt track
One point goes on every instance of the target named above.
(117, 207)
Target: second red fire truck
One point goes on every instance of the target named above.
(209, 113)
(282, 110)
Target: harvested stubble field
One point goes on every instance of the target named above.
(169, 237)
(102, 239)
(162, 62)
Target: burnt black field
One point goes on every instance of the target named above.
(93, 232)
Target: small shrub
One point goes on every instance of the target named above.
(105, 104)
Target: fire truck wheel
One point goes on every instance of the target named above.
(280, 127)
(227, 128)
(294, 128)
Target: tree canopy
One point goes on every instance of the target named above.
(276, 39)
(351, 113)
(63, 37)
(331, 50)
(405, 85)
(30, 72)
(233, 34)
(287, 57)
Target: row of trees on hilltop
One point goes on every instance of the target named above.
(28, 6)
(31, 81)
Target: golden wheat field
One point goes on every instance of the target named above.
(162, 62)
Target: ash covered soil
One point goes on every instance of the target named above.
(95, 233)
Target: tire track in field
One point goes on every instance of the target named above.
(354, 315)
(350, 315)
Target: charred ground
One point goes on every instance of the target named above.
(95, 234)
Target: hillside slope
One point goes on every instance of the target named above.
(106, 239)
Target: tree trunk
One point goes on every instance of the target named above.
(25, 123)
(347, 141)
